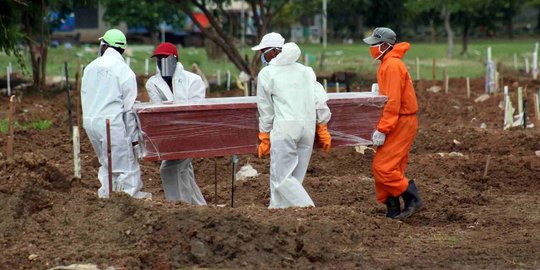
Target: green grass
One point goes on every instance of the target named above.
(38, 125)
(354, 57)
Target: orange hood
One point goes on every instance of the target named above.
(398, 51)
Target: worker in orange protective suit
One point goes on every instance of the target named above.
(397, 127)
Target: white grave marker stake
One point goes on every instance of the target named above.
(417, 68)
(8, 80)
(468, 88)
(537, 107)
(146, 67)
(526, 65)
(520, 100)
(515, 62)
(337, 87)
(218, 77)
(76, 153)
(228, 80)
(325, 84)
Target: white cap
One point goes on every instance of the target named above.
(270, 40)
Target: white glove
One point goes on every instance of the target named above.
(378, 138)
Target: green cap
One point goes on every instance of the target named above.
(115, 38)
(381, 34)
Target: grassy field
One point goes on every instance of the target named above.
(338, 57)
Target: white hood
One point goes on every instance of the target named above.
(289, 55)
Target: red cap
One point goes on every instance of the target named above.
(166, 48)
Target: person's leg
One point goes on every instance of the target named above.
(188, 175)
(284, 162)
(304, 149)
(390, 159)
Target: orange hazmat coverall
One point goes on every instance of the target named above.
(399, 122)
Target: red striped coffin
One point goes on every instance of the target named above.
(229, 126)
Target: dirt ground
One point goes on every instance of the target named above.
(48, 218)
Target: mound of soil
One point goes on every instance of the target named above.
(474, 217)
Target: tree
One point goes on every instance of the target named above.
(36, 21)
(263, 13)
(148, 14)
(9, 24)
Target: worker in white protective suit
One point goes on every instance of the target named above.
(108, 91)
(292, 110)
(174, 84)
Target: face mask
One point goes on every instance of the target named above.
(376, 51)
(263, 59)
(167, 65)
(101, 44)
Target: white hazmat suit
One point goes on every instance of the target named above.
(108, 91)
(290, 102)
(177, 176)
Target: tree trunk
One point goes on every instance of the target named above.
(44, 46)
(449, 33)
(510, 27)
(538, 20)
(30, 45)
(433, 31)
(465, 37)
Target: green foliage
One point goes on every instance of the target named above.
(37, 125)
(148, 14)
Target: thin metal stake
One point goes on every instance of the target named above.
(109, 155)
(234, 161)
(215, 182)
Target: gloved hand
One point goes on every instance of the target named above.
(264, 146)
(378, 138)
(323, 137)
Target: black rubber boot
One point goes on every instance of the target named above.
(412, 201)
(393, 207)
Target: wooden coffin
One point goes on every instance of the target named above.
(229, 126)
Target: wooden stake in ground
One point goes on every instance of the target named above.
(496, 82)
(417, 68)
(76, 153)
(537, 106)
(445, 80)
(215, 182)
(146, 67)
(325, 84)
(434, 72)
(68, 91)
(520, 100)
(468, 87)
(11, 128)
(486, 168)
(109, 155)
(337, 87)
(526, 65)
(78, 100)
(515, 62)
(218, 77)
(228, 80)
(8, 77)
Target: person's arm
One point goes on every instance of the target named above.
(129, 94)
(392, 83)
(323, 112)
(265, 105)
(153, 92)
(197, 88)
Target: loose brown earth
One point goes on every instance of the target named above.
(469, 222)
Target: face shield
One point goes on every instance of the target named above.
(101, 45)
(167, 65)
